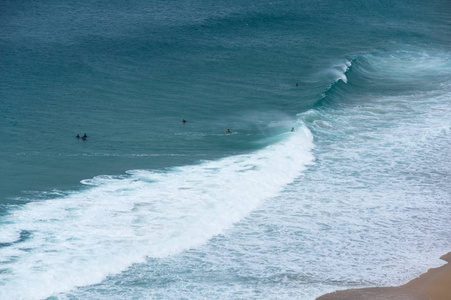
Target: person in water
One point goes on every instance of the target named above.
(183, 121)
(228, 131)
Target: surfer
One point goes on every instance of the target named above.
(78, 136)
(297, 84)
(292, 129)
(228, 131)
(84, 137)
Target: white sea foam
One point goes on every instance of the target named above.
(380, 191)
(370, 212)
(80, 239)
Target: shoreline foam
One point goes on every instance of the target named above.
(435, 284)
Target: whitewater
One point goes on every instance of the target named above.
(148, 207)
(305, 196)
(82, 238)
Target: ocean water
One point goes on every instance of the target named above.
(149, 207)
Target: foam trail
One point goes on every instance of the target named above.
(80, 239)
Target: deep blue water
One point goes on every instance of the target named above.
(150, 207)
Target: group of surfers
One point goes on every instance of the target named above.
(84, 137)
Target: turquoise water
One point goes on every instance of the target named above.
(150, 207)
